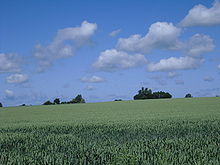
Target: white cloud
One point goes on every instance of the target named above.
(161, 35)
(115, 32)
(173, 63)
(93, 79)
(65, 43)
(208, 79)
(9, 63)
(112, 60)
(199, 44)
(219, 66)
(17, 78)
(200, 15)
(9, 94)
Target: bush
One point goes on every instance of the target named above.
(1, 105)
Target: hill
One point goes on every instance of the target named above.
(162, 131)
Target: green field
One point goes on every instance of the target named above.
(160, 131)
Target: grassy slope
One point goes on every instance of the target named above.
(173, 131)
(193, 108)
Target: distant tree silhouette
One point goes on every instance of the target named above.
(188, 95)
(56, 101)
(1, 105)
(63, 102)
(48, 103)
(77, 99)
(161, 94)
(146, 93)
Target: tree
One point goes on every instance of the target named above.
(146, 93)
(161, 95)
(48, 103)
(118, 99)
(56, 101)
(77, 99)
(188, 95)
(64, 102)
(1, 105)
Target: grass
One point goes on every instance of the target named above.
(166, 131)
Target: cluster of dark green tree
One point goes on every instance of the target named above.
(77, 99)
(1, 105)
(188, 95)
(146, 93)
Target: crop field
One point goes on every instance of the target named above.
(154, 132)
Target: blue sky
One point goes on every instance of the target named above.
(107, 50)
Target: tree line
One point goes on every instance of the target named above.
(77, 99)
(146, 93)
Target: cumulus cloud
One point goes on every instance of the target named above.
(17, 78)
(65, 43)
(92, 79)
(113, 60)
(173, 63)
(208, 79)
(161, 35)
(9, 94)
(115, 32)
(199, 44)
(200, 15)
(9, 63)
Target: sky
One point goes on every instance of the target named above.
(107, 50)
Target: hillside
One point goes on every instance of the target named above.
(164, 131)
(124, 111)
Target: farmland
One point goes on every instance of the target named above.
(164, 131)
